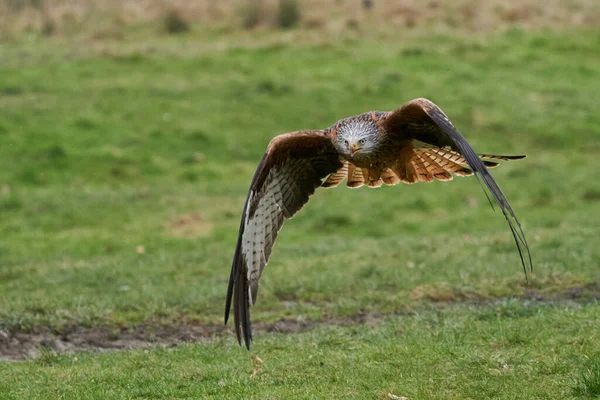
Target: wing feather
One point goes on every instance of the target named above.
(289, 172)
(336, 178)
(421, 121)
(444, 160)
(389, 177)
(421, 168)
(435, 168)
(355, 177)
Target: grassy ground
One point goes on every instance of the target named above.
(498, 353)
(125, 167)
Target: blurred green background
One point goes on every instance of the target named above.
(130, 130)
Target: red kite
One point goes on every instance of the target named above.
(416, 142)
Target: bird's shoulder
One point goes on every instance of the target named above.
(293, 140)
(298, 144)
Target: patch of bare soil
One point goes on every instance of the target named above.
(25, 345)
(190, 226)
(16, 346)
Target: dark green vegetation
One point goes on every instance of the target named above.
(124, 170)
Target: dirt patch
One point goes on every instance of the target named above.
(190, 226)
(579, 294)
(442, 293)
(26, 345)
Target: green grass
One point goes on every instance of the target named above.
(588, 383)
(497, 352)
(134, 144)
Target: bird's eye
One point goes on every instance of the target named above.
(362, 142)
(345, 142)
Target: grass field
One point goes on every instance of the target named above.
(124, 170)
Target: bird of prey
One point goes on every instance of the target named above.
(416, 142)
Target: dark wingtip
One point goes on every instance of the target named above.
(228, 302)
(245, 309)
(229, 293)
(516, 229)
(241, 310)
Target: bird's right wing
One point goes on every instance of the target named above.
(289, 172)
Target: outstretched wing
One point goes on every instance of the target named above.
(289, 172)
(420, 128)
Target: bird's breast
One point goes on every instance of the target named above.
(363, 160)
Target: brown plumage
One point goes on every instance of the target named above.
(414, 143)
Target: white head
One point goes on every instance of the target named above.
(356, 137)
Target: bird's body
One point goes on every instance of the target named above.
(414, 143)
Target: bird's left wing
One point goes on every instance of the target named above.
(289, 172)
(422, 123)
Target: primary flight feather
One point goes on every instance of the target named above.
(416, 142)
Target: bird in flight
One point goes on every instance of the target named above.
(416, 142)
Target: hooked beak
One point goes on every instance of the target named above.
(354, 148)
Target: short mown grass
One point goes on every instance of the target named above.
(123, 173)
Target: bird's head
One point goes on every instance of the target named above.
(356, 138)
